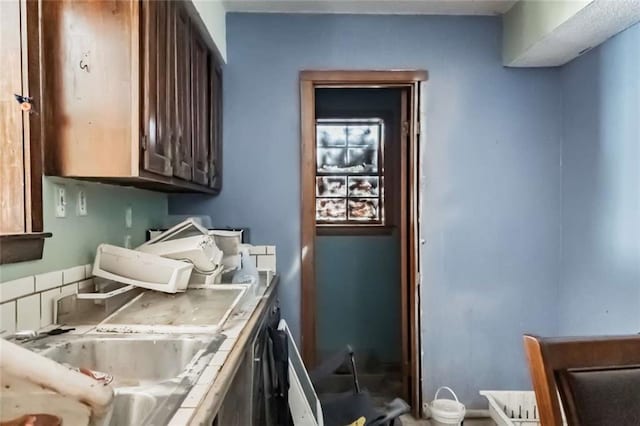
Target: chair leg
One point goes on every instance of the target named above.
(356, 383)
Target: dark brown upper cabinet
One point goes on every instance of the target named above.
(183, 147)
(215, 148)
(21, 214)
(129, 96)
(200, 106)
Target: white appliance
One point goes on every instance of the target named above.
(229, 242)
(189, 242)
(141, 269)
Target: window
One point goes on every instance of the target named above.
(349, 172)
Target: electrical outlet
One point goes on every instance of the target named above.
(81, 209)
(127, 241)
(60, 201)
(128, 217)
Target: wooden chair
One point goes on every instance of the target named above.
(598, 379)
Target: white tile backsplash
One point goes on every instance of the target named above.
(33, 297)
(267, 261)
(28, 312)
(88, 270)
(17, 288)
(70, 289)
(73, 275)
(255, 250)
(47, 299)
(28, 303)
(7, 318)
(48, 280)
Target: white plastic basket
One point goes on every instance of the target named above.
(447, 411)
(513, 408)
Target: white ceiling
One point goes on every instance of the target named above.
(589, 27)
(392, 7)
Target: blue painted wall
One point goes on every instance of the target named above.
(357, 281)
(491, 203)
(600, 292)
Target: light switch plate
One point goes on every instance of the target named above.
(128, 217)
(60, 201)
(82, 203)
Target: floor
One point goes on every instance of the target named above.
(410, 421)
(383, 388)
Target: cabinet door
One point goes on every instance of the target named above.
(236, 406)
(12, 211)
(215, 150)
(156, 135)
(183, 148)
(200, 109)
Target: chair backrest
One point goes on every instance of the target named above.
(597, 378)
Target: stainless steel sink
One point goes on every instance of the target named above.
(132, 360)
(152, 373)
(132, 408)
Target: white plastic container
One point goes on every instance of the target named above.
(446, 411)
(513, 408)
(141, 269)
(199, 279)
(189, 242)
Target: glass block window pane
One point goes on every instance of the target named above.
(363, 186)
(330, 135)
(331, 159)
(349, 172)
(363, 209)
(331, 186)
(331, 210)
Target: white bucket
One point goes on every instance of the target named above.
(446, 411)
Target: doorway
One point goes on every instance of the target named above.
(359, 168)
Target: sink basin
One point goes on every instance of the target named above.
(152, 373)
(132, 408)
(132, 361)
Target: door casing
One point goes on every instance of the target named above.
(410, 246)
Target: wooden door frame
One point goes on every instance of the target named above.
(309, 81)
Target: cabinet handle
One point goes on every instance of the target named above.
(24, 101)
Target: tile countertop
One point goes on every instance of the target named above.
(205, 398)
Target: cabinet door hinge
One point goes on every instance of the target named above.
(143, 142)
